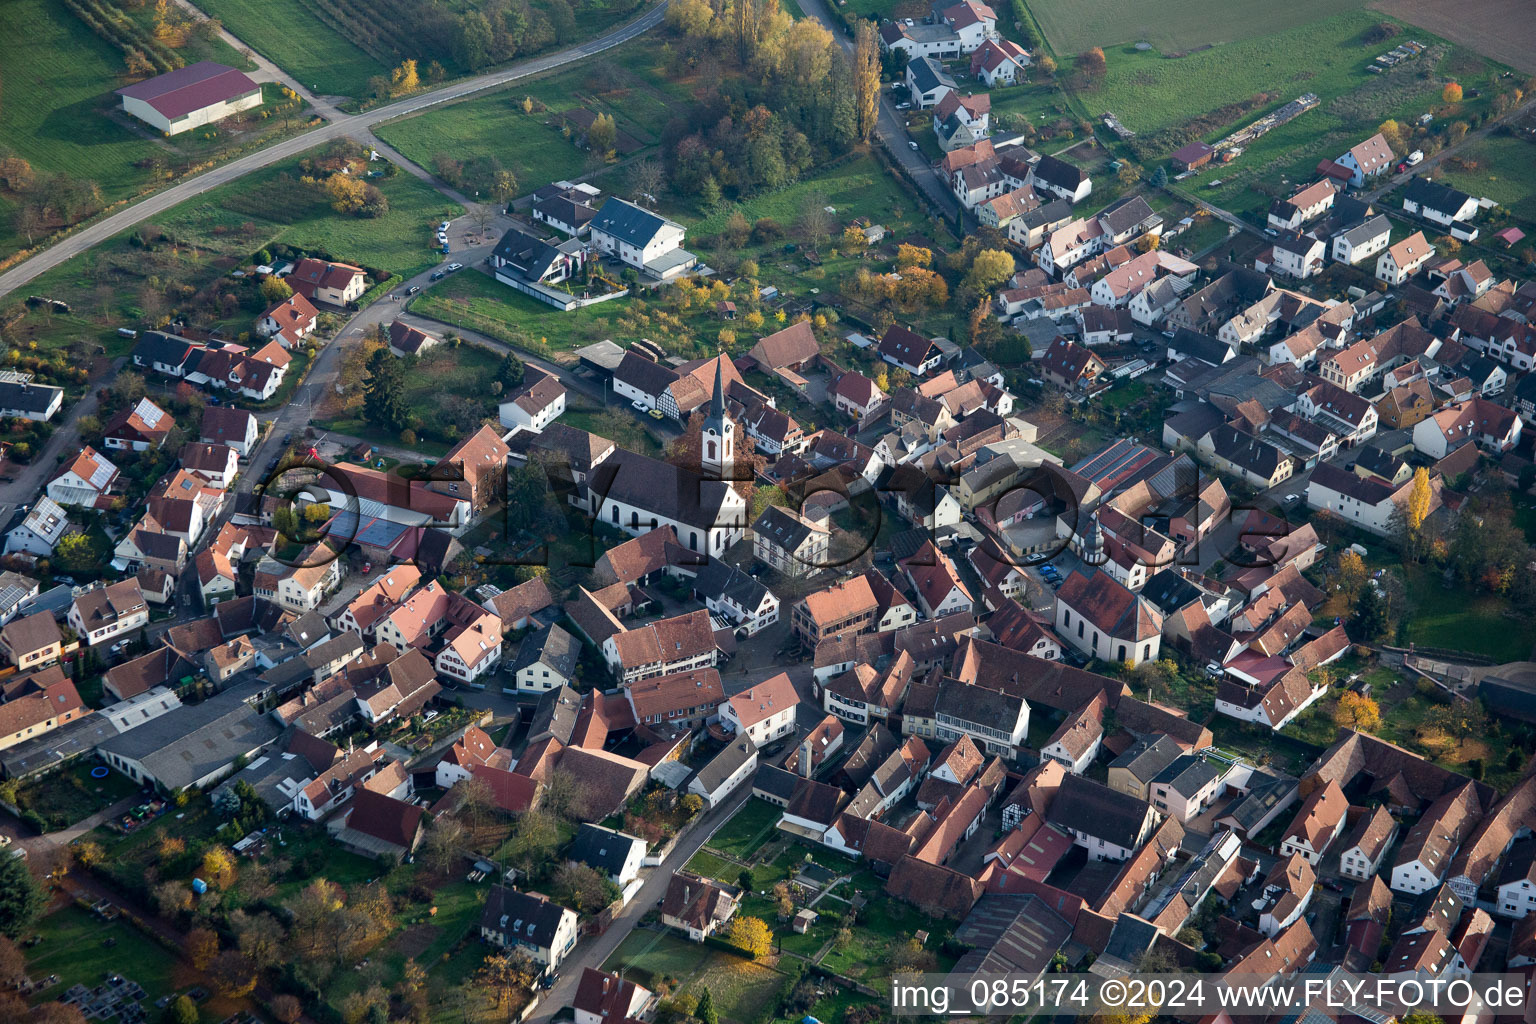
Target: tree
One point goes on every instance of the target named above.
(1159, 178)
(286, 1008)
(528, 503)
(1451, 93)
(1393, 133)
(503, 186)
(1455, 132)
(1357, 711)
(384, 392)
(752, 935)
(218, 867)
(706, 1011)
(233, 975)
(1128, 175)
(274, 289)
(258, 936)
(171, 898)
(13, 963)
(1091, 62)
(990, 269)
(1418, 500)
(645, 180)
(866, 78)
(590, 890)
(1046, 64)
(74, 552)
(404, 78)
(182, 1011)
(16, 174)
(201, 945)
(1370, 618)
(347, 194)
(1350, 573)
(603, 134)
(21, 898)
(505, 972)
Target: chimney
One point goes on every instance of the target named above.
(805, 758)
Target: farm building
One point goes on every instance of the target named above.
(1196, 154)
(190, 97)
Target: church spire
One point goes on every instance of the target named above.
(718, 443)
(717, 403)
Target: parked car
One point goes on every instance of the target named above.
(654, 414)
(438, 275)
(413, 289)
(452, 267)
(912, 145)
(639, 406)
(443, 226)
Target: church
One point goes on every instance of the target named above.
(638, 494)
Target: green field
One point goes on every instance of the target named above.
(73, 948)
(1503, 168)
(748, 829)
(290, 36)
(1072, 26)
(625, 84)
(741, 989)
(1462, 620)
(59, 113)
(441, 374)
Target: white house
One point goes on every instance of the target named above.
(83, 480)
(1362, 241)
(1367, 159)
(1438, 204)
(1317, 824)
(1299, 256)
(1403, 260)
(617, 855)
(763, 712)
(641, 239)
(927, 82)
(1367, 844)
(40, 531)
(534, 924)
(22, 399)
(102, 613)
(537, 404)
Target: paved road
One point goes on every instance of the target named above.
(342, 126)
(595, 952)
(891, 129)
(29, 480)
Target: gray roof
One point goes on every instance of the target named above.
(28, 397)
(1085, 806)
(978, 704)
(523, 916)
(1125, 214)
(186, 745)
(553, 647)
(1364, 232)
(658, 487)
(1148, 756)
(1187, 774)
(783, 529)
(603, 848)
(724, 764)
(1435, 196)
(629, 223)
(555, 715)
(928, 75)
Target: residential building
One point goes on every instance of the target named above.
(641, 239)
(1401, 261)
(1318, 822)
(530, 923)
(102, 613)
(763, 712)
(335, 284)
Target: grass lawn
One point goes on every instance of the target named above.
(883, 925)
(283, 210)
(217, 233)
(748, 829)
(1464, 620)
(1503, 168)
(1072, 26)
(286, 32)
(619, 425)
(71, 795)
(58, 110)
(707, 865)
(856, 187)
(739, 987)
(533, 145)
(73, 948)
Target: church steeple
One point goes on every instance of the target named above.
(717, 448)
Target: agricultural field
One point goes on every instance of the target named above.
(1502, 29)
(59, 115)
(289, 34)
(1071, 26)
